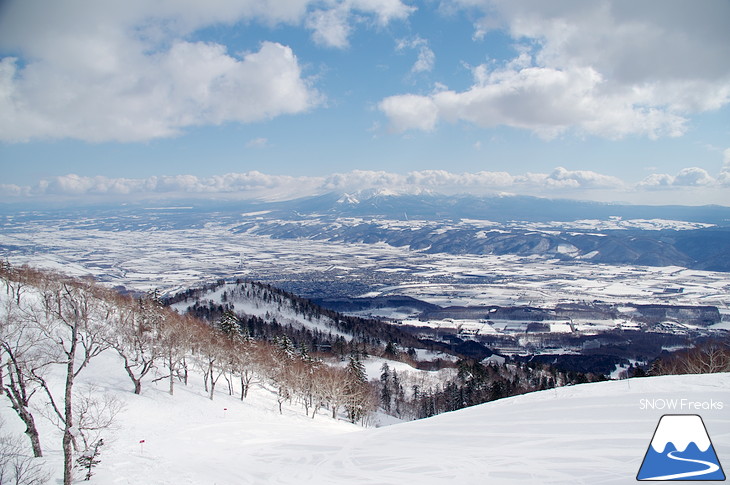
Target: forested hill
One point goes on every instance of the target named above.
(265, 312)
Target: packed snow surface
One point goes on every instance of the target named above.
(592, 433)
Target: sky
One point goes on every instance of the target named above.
(614, 101)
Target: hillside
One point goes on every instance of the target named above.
(591, 433)
(290, 421)
(265, 312)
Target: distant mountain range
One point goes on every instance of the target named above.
(693, 237)
(424, 205)
(688, 236)
(435, 207)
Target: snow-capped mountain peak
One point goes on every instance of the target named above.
(348, 199)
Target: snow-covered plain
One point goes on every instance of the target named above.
(175, 259)
(591, 434)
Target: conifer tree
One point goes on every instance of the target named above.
(229, 325)
(357, 389)
(385, 393)
(90, 458)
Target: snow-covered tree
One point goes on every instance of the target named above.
(229, 325)
(90, 458)
(385, 390)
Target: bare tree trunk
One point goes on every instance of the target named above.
(212, 380)
(68, 438)
(244, 387)
(19, 400)
(172, 377)
(230, 384)
(137, 381)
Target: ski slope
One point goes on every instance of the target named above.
(592, 433)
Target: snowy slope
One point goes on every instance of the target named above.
(593, 433)
(247, 298)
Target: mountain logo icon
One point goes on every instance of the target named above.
(681, 450)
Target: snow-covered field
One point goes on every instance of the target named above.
(592, 434)
(175, 259)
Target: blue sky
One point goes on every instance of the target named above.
(607, 100)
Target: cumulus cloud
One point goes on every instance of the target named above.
(693, 177)
(687, 177)
(257, 185)
(691, 184)
(606, 68)
(544, 100)
(128, 71)
(724, 177)
(410, 111)
(192, 83)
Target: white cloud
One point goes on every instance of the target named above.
(385, 10)
(562, 177)
(410, 111)
(687, 177)
(333, 24)
(657, 180)
(331, 27)
(127, 71)
(693, 177)
(426, 57)
(544, 100)
(605, 68)
(155, 96)
(691, 185)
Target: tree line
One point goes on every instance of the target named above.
(365, 333)
(415, 396)
(51, 323)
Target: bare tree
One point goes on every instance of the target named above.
(174, 341)
(706, 358)
(331, 388)
(17, 467)
(135, 336)
(247, 353)
(76, 315)
(709, 358)
(20, 360)
(212, 357)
